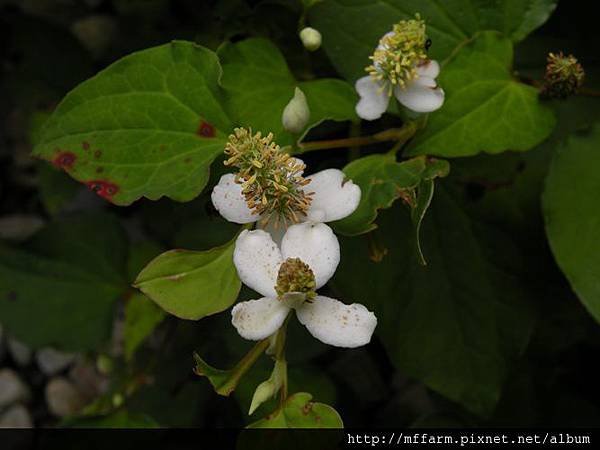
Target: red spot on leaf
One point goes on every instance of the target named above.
(103, 188)
(85, 145)
(64, 160)
(206, 130)
(98, 153)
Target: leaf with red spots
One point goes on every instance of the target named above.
(64, 160)
(299, 411)
(205, 129)
(151, 124)
(103, 188)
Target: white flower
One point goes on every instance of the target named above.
(421, 94)
(334, 197)
(400, 66)
(258, 261)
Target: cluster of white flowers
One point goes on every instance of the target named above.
(286, 262)
(292, 252)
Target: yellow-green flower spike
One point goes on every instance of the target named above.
(399, 52)
(564, 76)
(297, 277)
(271, 180)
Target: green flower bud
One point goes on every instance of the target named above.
(311, 39)
(267, 389)
(296, 113)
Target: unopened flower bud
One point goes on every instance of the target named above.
(311, 39)
(267, 389)
(564, 76)
(296, 113)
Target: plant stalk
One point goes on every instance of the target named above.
(400, 135)
(280, 358)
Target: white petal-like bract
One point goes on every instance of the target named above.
(276, 231)
(374, 98)
(335, 196)
(335, 323)
(422, 95)
(316, 245)
(228, 199)
(429, 68)
(258, 319)
(257, 260)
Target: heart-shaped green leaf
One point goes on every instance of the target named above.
(572, 215)
(192, 284)
(486, 109)
(149, 125)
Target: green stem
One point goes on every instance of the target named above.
(411, 128)
(280, 358)
(354, 152)
(400, 135)
(242, 367)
